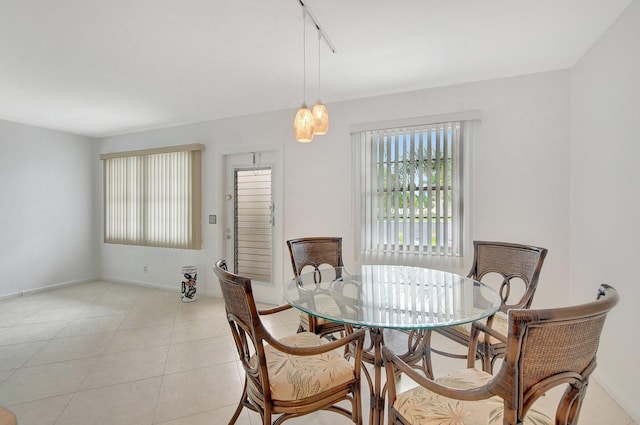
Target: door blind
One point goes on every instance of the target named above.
(254, 224)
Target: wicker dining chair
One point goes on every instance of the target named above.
(518, 267)
(544, 349)
(310, 254)
(291, 376)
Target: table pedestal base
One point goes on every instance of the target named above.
(417, 343)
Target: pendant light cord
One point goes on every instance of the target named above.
(304, 55)
(319, 39)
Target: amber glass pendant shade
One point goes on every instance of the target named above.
(303, 125)
(320, 119)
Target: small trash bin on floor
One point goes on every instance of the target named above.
(189, 276)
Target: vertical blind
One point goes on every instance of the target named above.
(410, 183)
(153, 197)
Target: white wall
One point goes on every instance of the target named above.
(521, 159)
(605, 173)
(47, 218)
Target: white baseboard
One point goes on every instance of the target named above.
(155, 286)
(45, 288)
(139, 283)
(113, 280)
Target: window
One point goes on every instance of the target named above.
(153, 197)
(411, 193)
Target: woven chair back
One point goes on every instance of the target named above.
(315, 252)
(546, 348)
(246, 327)
(515, 264)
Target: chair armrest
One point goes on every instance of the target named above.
(319, 349)
(478, 327)
(273, 310)
(474, 335)
(393, 364)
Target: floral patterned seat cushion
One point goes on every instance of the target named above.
(421, 406)
(296, 377)
(499, 324)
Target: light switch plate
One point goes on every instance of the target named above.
(212, 219)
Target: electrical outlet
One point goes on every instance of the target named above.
(145, 269)
(213, 219)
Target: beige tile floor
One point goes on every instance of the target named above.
(105, 353)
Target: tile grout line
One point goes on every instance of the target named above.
(164, 368)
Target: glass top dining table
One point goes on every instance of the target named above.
(388, 296)
(381, 297)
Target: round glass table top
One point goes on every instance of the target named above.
(386, 296)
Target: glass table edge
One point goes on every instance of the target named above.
(401, 326)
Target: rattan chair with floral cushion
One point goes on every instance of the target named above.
(310, 255)
(291, 376)
(544, 349)
(516, 270)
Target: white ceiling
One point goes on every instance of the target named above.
(105, 67)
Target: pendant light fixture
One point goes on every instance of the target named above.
(303, 122)
(307, 122)
(320, 113)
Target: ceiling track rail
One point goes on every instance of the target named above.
(322, 34)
